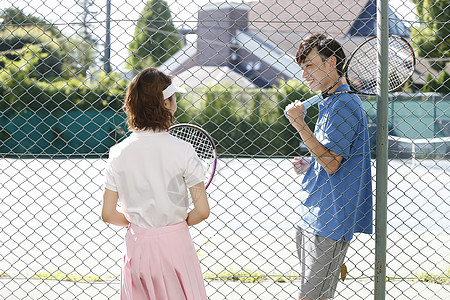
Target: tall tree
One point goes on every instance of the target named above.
(155, 38)
(432, 36)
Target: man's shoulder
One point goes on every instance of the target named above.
(350, 98)
(347, 101)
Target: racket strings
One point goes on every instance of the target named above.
(401, 63)
(362, 69)
(201, 143)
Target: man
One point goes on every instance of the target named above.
(336, 197)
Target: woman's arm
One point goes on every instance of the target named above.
(201, 205)
(109, 209)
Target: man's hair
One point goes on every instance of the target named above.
(144, 103)
(326, 48)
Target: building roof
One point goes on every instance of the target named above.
(282, 62)
(287, 22)
(200, 76)
(273, 35)
(278, 21)
(285, 16)
(366, 23)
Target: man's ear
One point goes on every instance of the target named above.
(332, 60)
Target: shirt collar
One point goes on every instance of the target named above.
(344, 87)
(138, 133)
(341, 88)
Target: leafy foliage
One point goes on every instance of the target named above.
(441, 84)
(155, 38)
(20, 90)
(246, 121)
(66, 56)
(432, 37)
(15, 17)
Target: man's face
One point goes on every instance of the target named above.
(317, 71)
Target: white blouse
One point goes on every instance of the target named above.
(152, 171)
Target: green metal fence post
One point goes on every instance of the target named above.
(381, 152)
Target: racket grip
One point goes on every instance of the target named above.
(312, 101)
(306, 104)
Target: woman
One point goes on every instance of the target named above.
(149, 174)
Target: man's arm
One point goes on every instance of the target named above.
(328, 159)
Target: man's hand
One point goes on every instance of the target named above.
(301, 164)
(328, 159)
(296, 115)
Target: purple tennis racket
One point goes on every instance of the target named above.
(203, 145)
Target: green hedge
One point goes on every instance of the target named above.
(246, 122)
(57, 97)
(72, 118)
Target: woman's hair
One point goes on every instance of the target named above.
(144, 103)
(326, 47)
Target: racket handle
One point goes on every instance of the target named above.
(306, 104)
(312, 101)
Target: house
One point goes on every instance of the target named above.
(226, 49)
(254, 44)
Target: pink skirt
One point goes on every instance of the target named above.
(161, 264)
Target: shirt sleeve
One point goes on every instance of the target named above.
(340, 129)
(195, 172)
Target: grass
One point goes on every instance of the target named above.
(61, 276)
(247, 276)
(241, 275)
(58, 275)
(442, 278)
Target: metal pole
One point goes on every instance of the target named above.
(382, 151)
(107, 57)
(436, 129)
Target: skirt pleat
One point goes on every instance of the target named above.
(161, 264)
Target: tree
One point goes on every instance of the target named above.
(432, 37)
(155, 38)
(18, 31)
(17, 18)
(86, 46)
(441, 84)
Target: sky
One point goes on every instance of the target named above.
(184, 13)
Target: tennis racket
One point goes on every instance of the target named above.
(203, 145)
(361, 69)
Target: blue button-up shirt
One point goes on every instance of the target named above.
(339, 204)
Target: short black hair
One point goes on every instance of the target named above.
(326, 47)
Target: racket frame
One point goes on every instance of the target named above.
(353, 89)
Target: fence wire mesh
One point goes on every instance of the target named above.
(64, 68)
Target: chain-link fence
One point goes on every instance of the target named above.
(64, 68)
